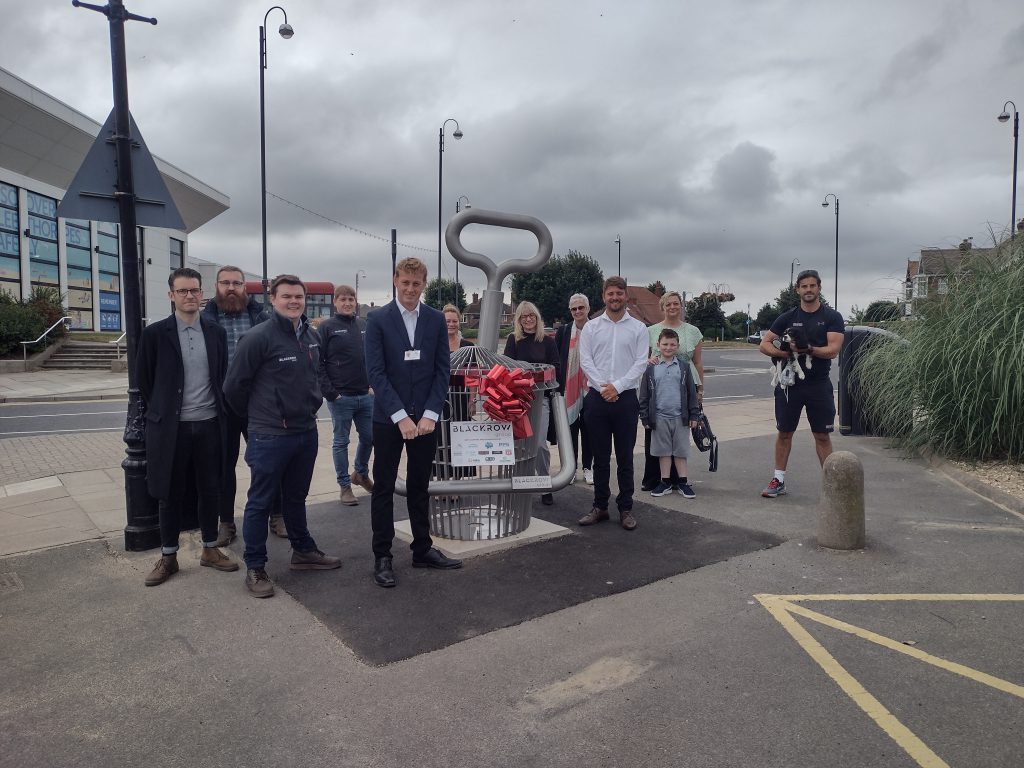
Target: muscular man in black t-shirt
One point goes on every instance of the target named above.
(821, 328)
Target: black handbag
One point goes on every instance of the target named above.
(705, 440)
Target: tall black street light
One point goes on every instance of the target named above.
(824, 204)
(286, 31)
(793, 263)
(458, 207)
(358, 273)
(457, 133)
(1003, 117)
(618, 242)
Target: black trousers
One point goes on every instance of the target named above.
(197, 456)
(581, 441)
(419, 453)
(608, 424)
(235, 429)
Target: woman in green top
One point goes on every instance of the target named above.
(690, 344)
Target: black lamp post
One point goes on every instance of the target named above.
(142, 531)
(358, 273)
(618, 242)
(824, 204)
(1003, 117)
(793, 263)
(458, 207)
(457, 133)
(286, 31)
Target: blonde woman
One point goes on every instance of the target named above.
(453, 322)
(528, 343)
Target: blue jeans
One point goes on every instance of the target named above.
(344, 411)
(279, 464)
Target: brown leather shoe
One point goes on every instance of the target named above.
(258, 583)
(214, 558)
(165, 567)
(277, 526)
(595, 515)
(626, 519)
(347, 497)
(363, 481)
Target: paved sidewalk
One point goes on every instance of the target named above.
(903, 654)
(42, 386)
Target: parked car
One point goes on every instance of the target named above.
(756, 337)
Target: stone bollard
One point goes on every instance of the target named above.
(841, 509)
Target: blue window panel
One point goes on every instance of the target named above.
(79, 258)
(9, 243)
(107, 244)
(110, 321)
(45, 228)
(110, 302)
(41, 272)
(10, 269)
(8, 195)
(42, 205)
(108, 227)
(9, 219)
(109, 264)
(42, 249)
(77, 236)
(79, 278)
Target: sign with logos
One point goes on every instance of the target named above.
(481, 443)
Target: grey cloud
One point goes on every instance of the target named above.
(745, 177)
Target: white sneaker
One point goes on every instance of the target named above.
(588, 476)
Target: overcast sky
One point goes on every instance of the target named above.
(706, 135)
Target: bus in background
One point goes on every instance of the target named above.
(319, 297)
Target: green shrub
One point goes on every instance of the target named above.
(18, 322)
(47, 302)
(956, 388)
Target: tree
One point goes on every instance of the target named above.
(560, 278)
(766, 316)
(657, 288)
(451, 293)
(788, 298)
(880, 311)
(737, 325)
(705, 312)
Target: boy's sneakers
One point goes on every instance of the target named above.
(661, 489)
(686, 491)
(588, 476)
(775, 488)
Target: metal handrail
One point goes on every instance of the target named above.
(118, 341)
(25, 344)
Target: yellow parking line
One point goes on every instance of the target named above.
(903, 736)
(942, 597)
(895, 645)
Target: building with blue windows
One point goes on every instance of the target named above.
(42, 144)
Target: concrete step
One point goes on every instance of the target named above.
(51, 364)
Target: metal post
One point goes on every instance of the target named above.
(263, 163)
(618, 242)
(394, 249)
(835, 306)
(456, 134)
(143, 526)
(1013, 204)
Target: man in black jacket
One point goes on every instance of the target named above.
(236, 313)
(347, 390)
(273, 381)
(180, 370)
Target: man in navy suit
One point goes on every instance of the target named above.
(408, 364)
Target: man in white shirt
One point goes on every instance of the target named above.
(613, 355)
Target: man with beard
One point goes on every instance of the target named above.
(815, 330)
(613, 356)
(236, 313)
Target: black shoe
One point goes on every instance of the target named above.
(648, 486)
(547, 499)
(382, 573)
(433, 558)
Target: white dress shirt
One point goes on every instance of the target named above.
(613, 352)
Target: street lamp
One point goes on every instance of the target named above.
(824, 204)
(358, 273)
(457, 134)
(286, 31)
(618, 242)
(458, 203)
(793, 263)
(1003, 117)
